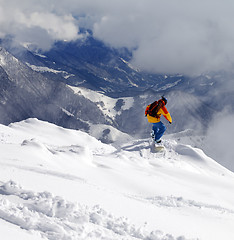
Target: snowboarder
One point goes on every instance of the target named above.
(153, 113)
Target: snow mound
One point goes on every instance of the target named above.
(182, 156)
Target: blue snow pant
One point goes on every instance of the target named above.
(159, 129)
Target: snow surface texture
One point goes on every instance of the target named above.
(57, 183)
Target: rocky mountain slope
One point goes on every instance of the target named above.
(35, 85)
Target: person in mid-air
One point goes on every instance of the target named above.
(153, 113)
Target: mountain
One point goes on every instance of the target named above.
(37, 91)
(58, 183)
(26, 93)
(89, 63)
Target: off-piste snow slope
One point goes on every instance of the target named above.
(57, 183)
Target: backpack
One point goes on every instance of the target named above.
(153, 108)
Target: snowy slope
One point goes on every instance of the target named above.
(58, 183)
(106, 104)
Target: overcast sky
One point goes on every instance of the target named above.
(171, 36)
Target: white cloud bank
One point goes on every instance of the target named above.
(179, 36)
(35, 22)
(219, 139)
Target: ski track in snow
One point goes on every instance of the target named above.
(180, 202)
(56, 218)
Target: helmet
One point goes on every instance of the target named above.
(164, 99)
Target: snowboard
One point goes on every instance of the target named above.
(158, 148)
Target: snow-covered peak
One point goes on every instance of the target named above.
(6, 57)
(58, 183)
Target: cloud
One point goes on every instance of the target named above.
(179, 36)
(219, 139)
(57, 27)
(190, 37)
(39, 24)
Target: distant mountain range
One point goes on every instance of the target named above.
(85, 83)
(92, 65)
